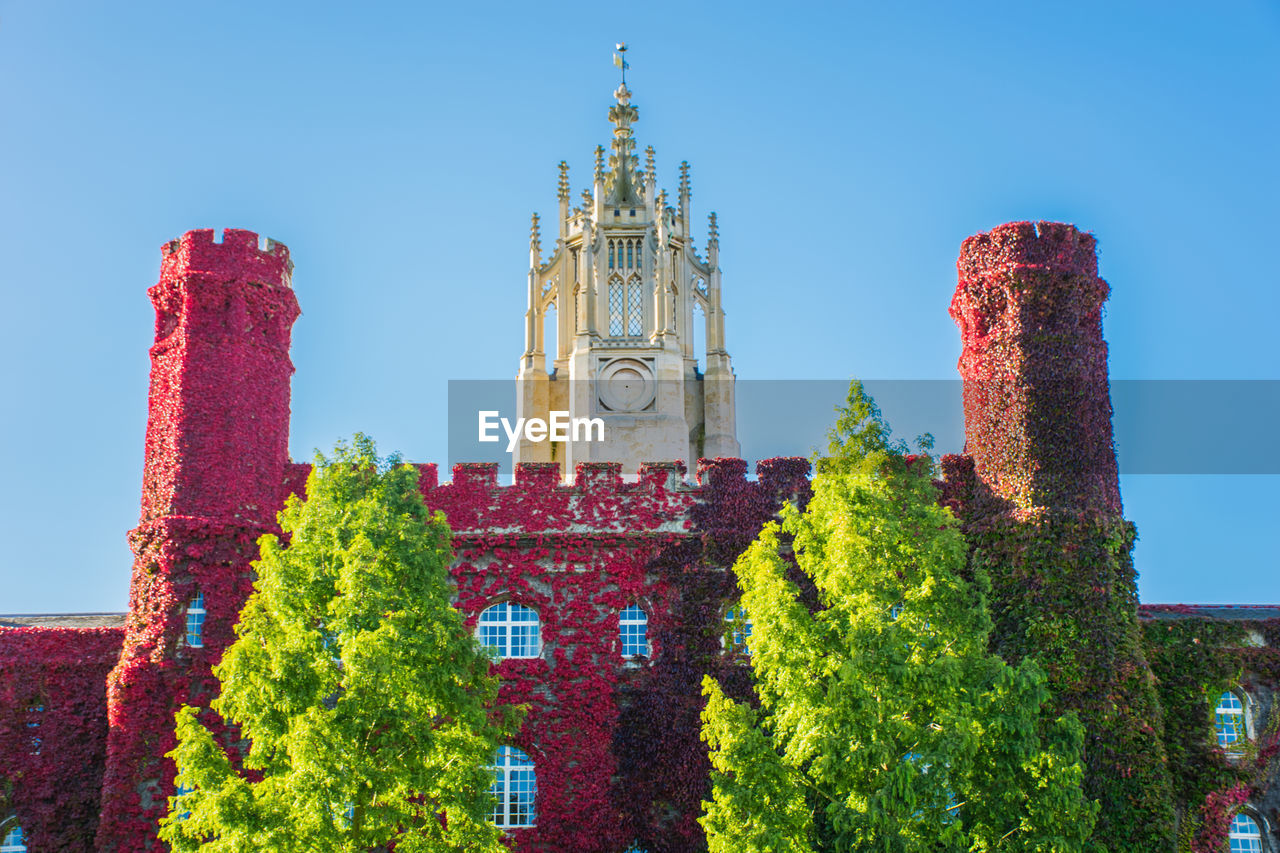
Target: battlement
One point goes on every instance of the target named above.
(598, 500)
(1051, 245)
(237, 255)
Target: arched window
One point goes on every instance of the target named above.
(737, 634)
(635, 308)
(1245, 837)
(1229, 723)
(511, 629)
(195, 622)
(11, 839)
(633, 628)
(515, 786)
(617, 307)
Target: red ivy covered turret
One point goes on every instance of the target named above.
(1039, 498)
(216, 459)
(1036, 401)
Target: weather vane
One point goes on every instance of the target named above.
(620, 60)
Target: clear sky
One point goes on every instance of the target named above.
(398, 149)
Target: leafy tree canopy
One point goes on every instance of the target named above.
(366, 708)
(884, 724)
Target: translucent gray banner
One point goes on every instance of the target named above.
(1160, 426)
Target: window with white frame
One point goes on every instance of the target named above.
(195, 622)
(12, 839)
(737, 631)
(515, 786)
(633, 629)
(1229, 722)
(511, 630)
(1244, 837)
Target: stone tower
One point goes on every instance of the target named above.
(627, 284)
(213, 481)
(1039, 497)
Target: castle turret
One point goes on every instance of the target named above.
(1029, 307)
(1039, 496)
(626, 284)
(216, 456)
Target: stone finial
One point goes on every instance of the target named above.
(535, 237)
(599, 173)
(562, 188)
(686, 191)
(713, 231)
(587, 201)
(649, 167)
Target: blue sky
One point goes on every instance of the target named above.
(398, 149)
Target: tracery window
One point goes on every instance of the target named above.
(1244, 837)
(635, 308)
(1229, 723)
(633, 628)
(512, 630)
(515, 786)
(195, 622)
(617, 306)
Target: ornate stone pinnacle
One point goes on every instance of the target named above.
(599, 163)
(685, 191)
(535, 236)
(562, 189)
(649, 167)
(713, 231)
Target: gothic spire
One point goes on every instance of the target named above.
(623, 161)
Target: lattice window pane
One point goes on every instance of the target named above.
(514, 788)
(633, 627)
(13, 841)
(635, 310)
(616, 308)
(738, 637)
(1245, 837)
(512, 630)
(1229, 719)
(195, 622)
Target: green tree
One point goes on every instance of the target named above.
(366, 709)
(884, 723)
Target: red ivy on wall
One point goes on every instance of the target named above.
(53, 731)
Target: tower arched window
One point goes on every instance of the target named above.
(195, 622)
(630, 258)
(512, 630)
(635, 308)
(1229, 722)
(617, 307)
(514, 789)
(611, 248)
(12, 839)
(1244, 836)
(737, 635)
(633, 630)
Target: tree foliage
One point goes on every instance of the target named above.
(884, 723)
(366, 709)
